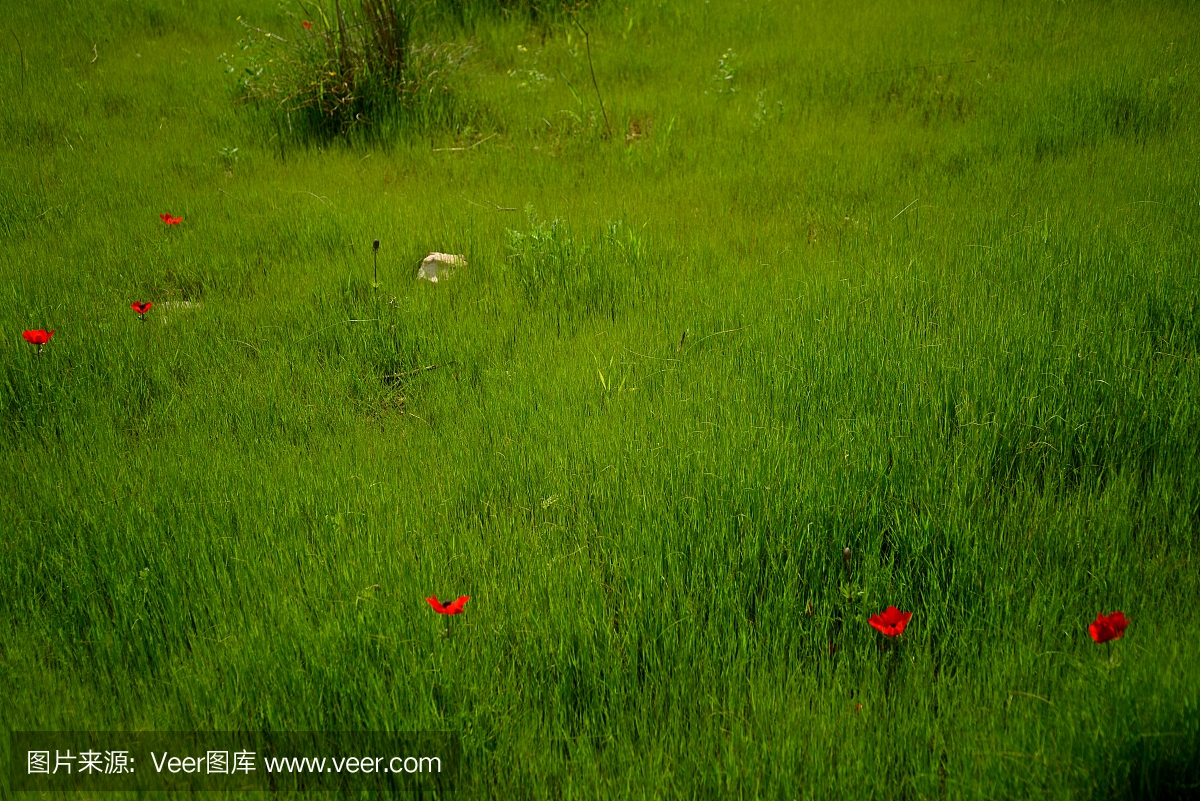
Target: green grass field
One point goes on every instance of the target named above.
(915, 279)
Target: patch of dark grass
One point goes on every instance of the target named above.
(1086, 114)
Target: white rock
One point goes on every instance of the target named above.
(439, 265)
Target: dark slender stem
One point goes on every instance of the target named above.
(375, 284)
(587, 43)
(279, 133)
(18, 41)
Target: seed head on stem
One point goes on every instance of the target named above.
(375, 250)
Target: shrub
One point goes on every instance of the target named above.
(343, 69)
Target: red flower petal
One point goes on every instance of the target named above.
(307, 25)
(1108, 627)
(140, 307)
(169, 220)
(38, 336)
(890, 622)
(452, 608)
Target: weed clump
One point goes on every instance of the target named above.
(575, 276)
(345, 69)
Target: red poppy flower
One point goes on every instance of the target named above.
(169, 220)
(452, 608)
(140, 307)
(890, 622)
(1108, 627)
(39, 337)
(307, 25)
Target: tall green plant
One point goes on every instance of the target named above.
(343, 68)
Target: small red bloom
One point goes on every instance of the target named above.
(307, 25)
(169, 220)
(1108, 627)
(38, 337)
(140, 307)
(890, 622)
(452, 608)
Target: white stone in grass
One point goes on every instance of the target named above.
(439, 265)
